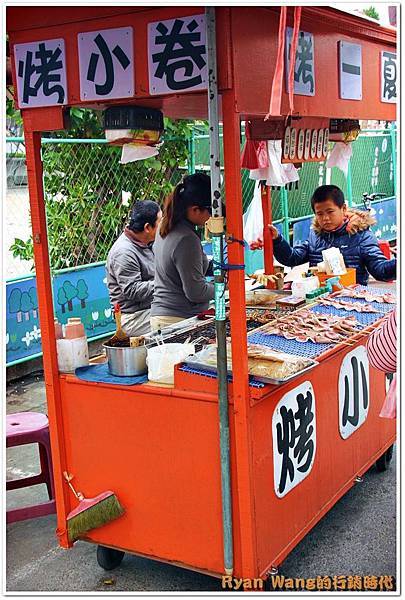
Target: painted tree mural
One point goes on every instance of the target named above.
(14, 304)
(62, 299)
(71, 293)
(82, 292)
(34, 301)
(26, 305)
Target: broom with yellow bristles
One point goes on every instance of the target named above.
(91, 512)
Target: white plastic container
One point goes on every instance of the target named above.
(72, 354)
(161, 360)
(304, 286)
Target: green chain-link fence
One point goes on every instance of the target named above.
(89, 193)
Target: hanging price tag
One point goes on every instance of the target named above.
(300, 145)
(314, 141)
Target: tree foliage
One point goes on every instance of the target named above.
(84, 183)
(371, 12)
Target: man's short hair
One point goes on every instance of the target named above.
(328, 192)
(143, 212)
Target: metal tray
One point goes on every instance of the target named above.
(193, 361)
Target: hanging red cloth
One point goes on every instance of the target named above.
(277, 85)
(254, 154)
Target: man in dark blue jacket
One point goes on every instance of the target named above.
(337, 226)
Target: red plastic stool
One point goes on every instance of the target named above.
(30, 428)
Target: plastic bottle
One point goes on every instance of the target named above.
(74, 328)
(58, 330)
(72, 350)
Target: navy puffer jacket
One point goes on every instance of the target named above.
(360, 251)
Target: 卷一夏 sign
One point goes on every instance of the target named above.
(350, 75)
(388, 77)
(304, 71)
(177, 55)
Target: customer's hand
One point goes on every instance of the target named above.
(274, 232)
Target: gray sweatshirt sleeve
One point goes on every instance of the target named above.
(189, 261)
(128, 275)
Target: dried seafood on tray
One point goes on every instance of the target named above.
(366, 295)
(307, 326)
(344, 305)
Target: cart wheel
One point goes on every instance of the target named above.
(384, 460)
(108, 558)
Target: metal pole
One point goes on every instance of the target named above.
(349, 184)
(191, 153)
(284, 212)
(393, 133)
(220, 324)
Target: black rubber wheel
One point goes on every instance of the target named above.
(384, 460)
(108, 558)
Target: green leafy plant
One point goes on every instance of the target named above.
(23, 249)
(83, 186)
(371, 12)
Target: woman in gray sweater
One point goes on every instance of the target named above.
(181, 290)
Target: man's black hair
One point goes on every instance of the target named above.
(328, 192)
(143, 212)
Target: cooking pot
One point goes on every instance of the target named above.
(127, 361)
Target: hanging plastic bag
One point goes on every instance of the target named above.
(278, 173)
(253, 219)
(162, 359)
(340, 156)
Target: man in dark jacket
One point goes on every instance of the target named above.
(336, 226)
(131, 267)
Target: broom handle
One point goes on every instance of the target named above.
(68, 478)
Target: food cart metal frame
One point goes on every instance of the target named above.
(157, 447)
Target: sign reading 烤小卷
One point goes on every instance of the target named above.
(41, 73)
(106, 64)
(177, 55)
(388, 77)
(294, 438)
(304, 72)
(350, 71)
(354, 391)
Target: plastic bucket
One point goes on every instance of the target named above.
(161, 360)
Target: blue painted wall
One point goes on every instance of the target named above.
(81, 293)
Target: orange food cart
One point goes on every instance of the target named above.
(157, 447)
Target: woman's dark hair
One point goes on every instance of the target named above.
(194, 190)
(143, 212)
(328, 192)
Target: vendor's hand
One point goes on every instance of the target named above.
(274, 232)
